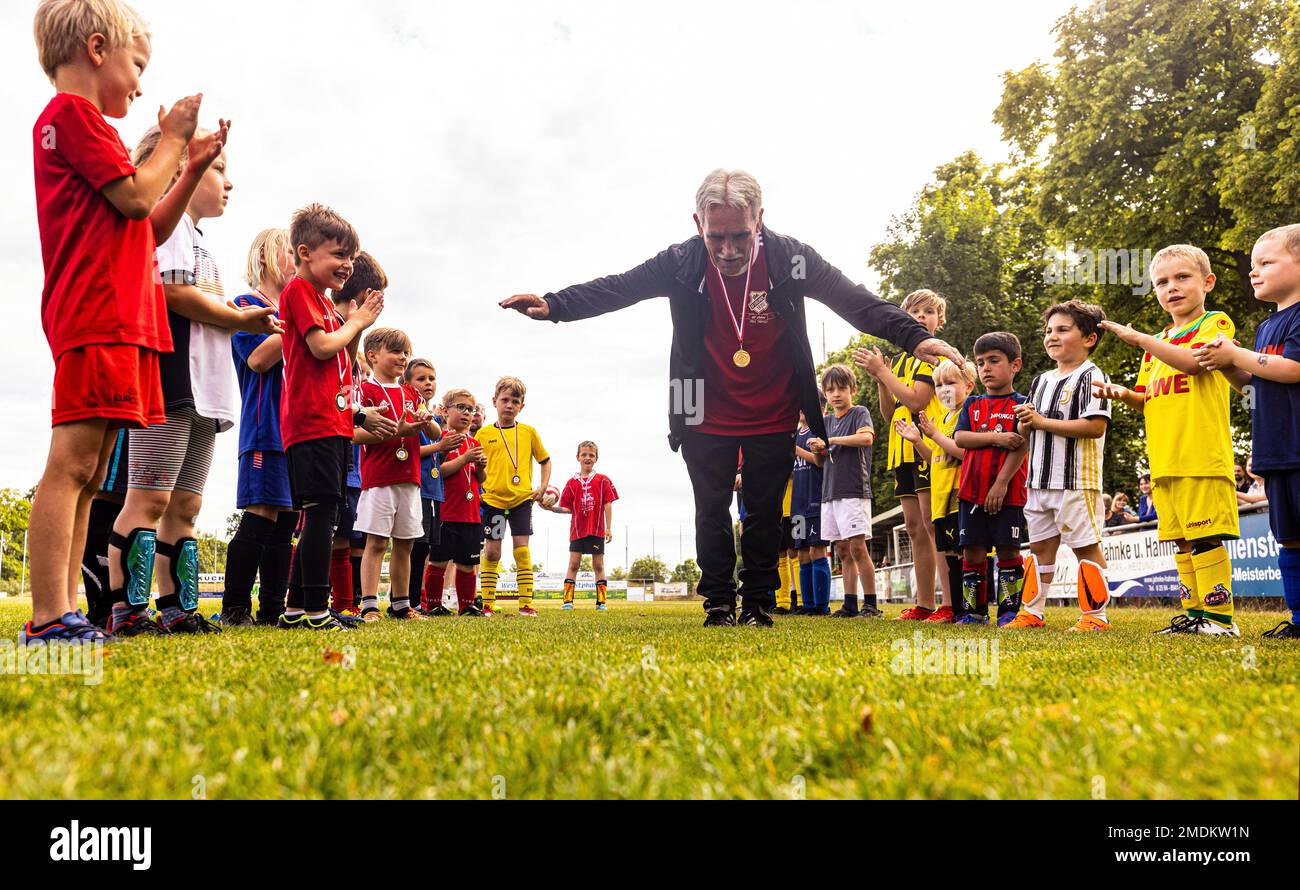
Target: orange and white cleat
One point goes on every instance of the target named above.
(1024, 619)
(527, 612)
(1090, 622)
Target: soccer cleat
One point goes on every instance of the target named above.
(755, 616)
(438, 611)
(347, 618)
(568, 607)
(371, 615)
(1005, 618)
(1025, 619)
(139, 623)
(190, 623)
(1284, 631)
(781, 610)
(972, 618)
(527, 612)
(842, 612)
(866, 611)
(470, 612)
(941, 615)
(488, 612)
(407, 614)
(237, 617)
(304, 622)
(72, 628)
(1209, 628)
(268, 617)
(1181, 624)
(916, 613)
(1089, 623)
(601, 607)
(720, 618)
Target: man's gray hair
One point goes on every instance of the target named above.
(730, 188)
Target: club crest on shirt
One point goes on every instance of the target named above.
(759, 310)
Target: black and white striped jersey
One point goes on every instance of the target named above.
(1060, 461)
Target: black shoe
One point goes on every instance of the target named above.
(478, 602)
(192, 623)
(720, 618)
(782, 610)
(268, 618)
(237, 617)
(139, 623)
(845, 613)
(1284, 631)
(1181, 624)
(438, 611)
(471, 612)
(345, 619)
(755, 616)
(303, 622)
(870, 612)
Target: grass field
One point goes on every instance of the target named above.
(644, 702)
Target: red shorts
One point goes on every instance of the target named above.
(116, 382)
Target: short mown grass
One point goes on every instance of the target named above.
(645, 702)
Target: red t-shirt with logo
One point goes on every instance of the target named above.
(586, 498)
(380, 464)
(762, 397)
(101, 284)
(455, 506)
(980, 467)
(309, 402)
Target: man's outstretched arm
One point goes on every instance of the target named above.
(653, 278)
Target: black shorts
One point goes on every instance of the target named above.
(458, 542)
(911, 478)
(806, 532)
(518, 518)
(119, 459)
(318, 471)
(348, 517)
(592, 545)
(1283, 490)
(430, 511)
(979, 528)
(945, 534)
(787, 533)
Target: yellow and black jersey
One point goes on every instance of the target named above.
(911, 371)
(510, 453)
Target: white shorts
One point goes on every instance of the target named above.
(1077, 515)
(846, 518)
(391, 511)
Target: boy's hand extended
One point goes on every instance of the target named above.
(870, 360)
(1112, 391)
(528, 304)
(182, 120)
(1217, 355)
(372, 304)
(1027, 415)
(907, 430)
(450, 441)
(257, 319)
(1125, 332)
(816, 445)
(477, 456)
(925, 425)
(1009, 441)
(375, 422)
(206, 149)
(538, 494)
(997, 494)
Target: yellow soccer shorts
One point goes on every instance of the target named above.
(1195, 507)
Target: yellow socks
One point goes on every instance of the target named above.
(1187, 578)
(1214, 582)
(796, 583)
(487, 576)
(783, 592)
(524, 574)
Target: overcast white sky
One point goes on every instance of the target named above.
(488, 149)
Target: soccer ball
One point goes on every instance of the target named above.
(551, 497)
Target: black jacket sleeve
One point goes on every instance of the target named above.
(653, 278)
(859, 306)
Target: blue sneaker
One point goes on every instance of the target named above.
(568, 607)
(1006, 618)
(601, 607)
(970, 618)
(72, 627)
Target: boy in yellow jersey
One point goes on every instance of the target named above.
(952, 385)
(1065, 420)
(1189, 442)
(789, 596)
(906, 391)
(508, 493)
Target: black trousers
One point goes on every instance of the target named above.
(711, 462)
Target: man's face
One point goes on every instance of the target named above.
(729, 234)
(1063, 340)
(1240, 473)
(1180, 286)
(508, 406)
(1274, 272)
(118, 71)
(996, 371)
(328, 265)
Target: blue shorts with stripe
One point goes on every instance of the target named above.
(263, 479)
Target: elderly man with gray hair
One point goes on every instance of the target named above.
(741, 369)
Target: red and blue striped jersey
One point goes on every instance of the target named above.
(990, 414)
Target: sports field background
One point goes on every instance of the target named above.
(645, 702)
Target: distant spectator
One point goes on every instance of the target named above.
(1242, 480)
(1254, 491)
(1146, 506)
(1120, 512)
(1106, 502)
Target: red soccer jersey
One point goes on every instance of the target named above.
(980, 467)
(586, 498)
(761, 397)
(382, 464)
(456, 507)
(100, 283)
(316, 401)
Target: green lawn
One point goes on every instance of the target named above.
(645, 702)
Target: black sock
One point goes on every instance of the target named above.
(415, 586)
(243, 555)
(356, 579)
(313, 557)
(275, 565)
(869, 599)
(954, 583)
(850, 602)
(94, 561)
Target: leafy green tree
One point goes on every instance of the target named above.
(15, 511)
(584, 564)
(648, 568)
(619, 574)
(687, 571)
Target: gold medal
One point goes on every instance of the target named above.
(469, 495)
(433, 471)
(402, 454)
(740, 359)
(515, 479)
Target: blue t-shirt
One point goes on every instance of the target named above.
(806, 499)
(1275, 414)
(430, 485)
(259, 414)
(354, 468)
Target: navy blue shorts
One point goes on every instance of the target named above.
(263, 479)
(347, 517)
(806, 532)
(431, 513)
(1283, 490)
(978, 528)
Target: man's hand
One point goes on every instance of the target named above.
(1009, 441)
(1125, 332)
(933, 350)
(376, 423)
(1027, 415)
(182, 120)
(997, 494)
(372, 304)
(450, 441)
(528, 304)
(1216, 356)
(1110, 391)
(908, 431)
(870, 360)
(206, 149)
(257, 319)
